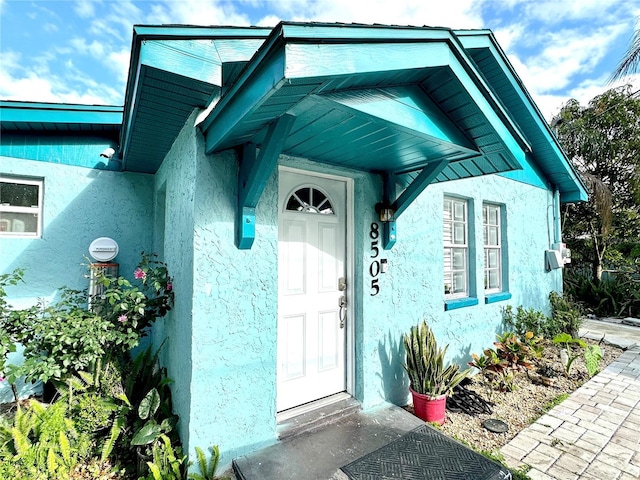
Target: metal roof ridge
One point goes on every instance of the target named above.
(32, 105)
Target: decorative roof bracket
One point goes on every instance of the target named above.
(253, 176)
(398, 205)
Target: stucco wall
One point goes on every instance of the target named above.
(412, 289)
(79, 205)
(175, 191)
(234, 310)
(234, 315)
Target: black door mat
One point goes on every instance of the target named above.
(425, 454)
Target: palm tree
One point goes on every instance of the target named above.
(630, 63)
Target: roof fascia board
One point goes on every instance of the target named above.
(142, 33)
(511, 141)
(202, 62)
(264, 62)
(305, 60)
(324, 33)
(228, 114)
(24, 112)
(485, 39)
(186, 32)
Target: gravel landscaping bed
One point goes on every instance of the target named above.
(521, 407)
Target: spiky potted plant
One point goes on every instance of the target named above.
(431, 380)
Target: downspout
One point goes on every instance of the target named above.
(557, 221)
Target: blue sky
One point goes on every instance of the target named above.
(78, 51)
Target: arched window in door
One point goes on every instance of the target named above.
(309, 200)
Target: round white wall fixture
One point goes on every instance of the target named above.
(103, 249)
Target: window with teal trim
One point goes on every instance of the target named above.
(496, 284)
(20, 207)
(456, 248)
(492, 248)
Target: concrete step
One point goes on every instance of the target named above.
(319, 452)
(317, 417)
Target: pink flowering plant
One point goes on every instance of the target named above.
(73, 335)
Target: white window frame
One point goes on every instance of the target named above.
(453, 244)
(492, 246)
(35, 210)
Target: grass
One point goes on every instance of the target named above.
(555, 402)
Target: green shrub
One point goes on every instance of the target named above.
(567, 316)
(525, 320)
(42, 442)
(617, 294)
(68, 336)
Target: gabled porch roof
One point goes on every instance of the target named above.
(416, 105)
(372, 98)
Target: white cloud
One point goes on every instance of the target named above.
(554, 11)
(85, 8)
(458, 14)
(96, 49)
(198, 12)
(509, 35)
(118, 62)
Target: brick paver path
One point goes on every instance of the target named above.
(593, 435)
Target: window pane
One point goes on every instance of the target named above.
(494, 279)
(459, 234)
(493, 215)
(448, 282)
(447, 233)
(18, 195)
(18, 222)
(309, 200)
(447, 209)
(458, 211)
(458, 259)
(492, 259)
(459, 285)
(493, 236)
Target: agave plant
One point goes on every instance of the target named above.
(425, 364)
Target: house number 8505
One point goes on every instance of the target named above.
(374, 268)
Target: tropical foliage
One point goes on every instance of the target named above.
(602, 140)
(426, 367)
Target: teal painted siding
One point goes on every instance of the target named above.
(71, 149)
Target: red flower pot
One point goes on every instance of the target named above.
(429, 409)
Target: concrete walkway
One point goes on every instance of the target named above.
(595, 433)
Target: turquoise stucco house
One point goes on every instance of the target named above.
(315, 189)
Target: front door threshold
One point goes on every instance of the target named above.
(316, 414)
(319, 453)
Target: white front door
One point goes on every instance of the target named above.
(311, 264)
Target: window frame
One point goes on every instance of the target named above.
(487, 247)
(37, 210)
(448, 247)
